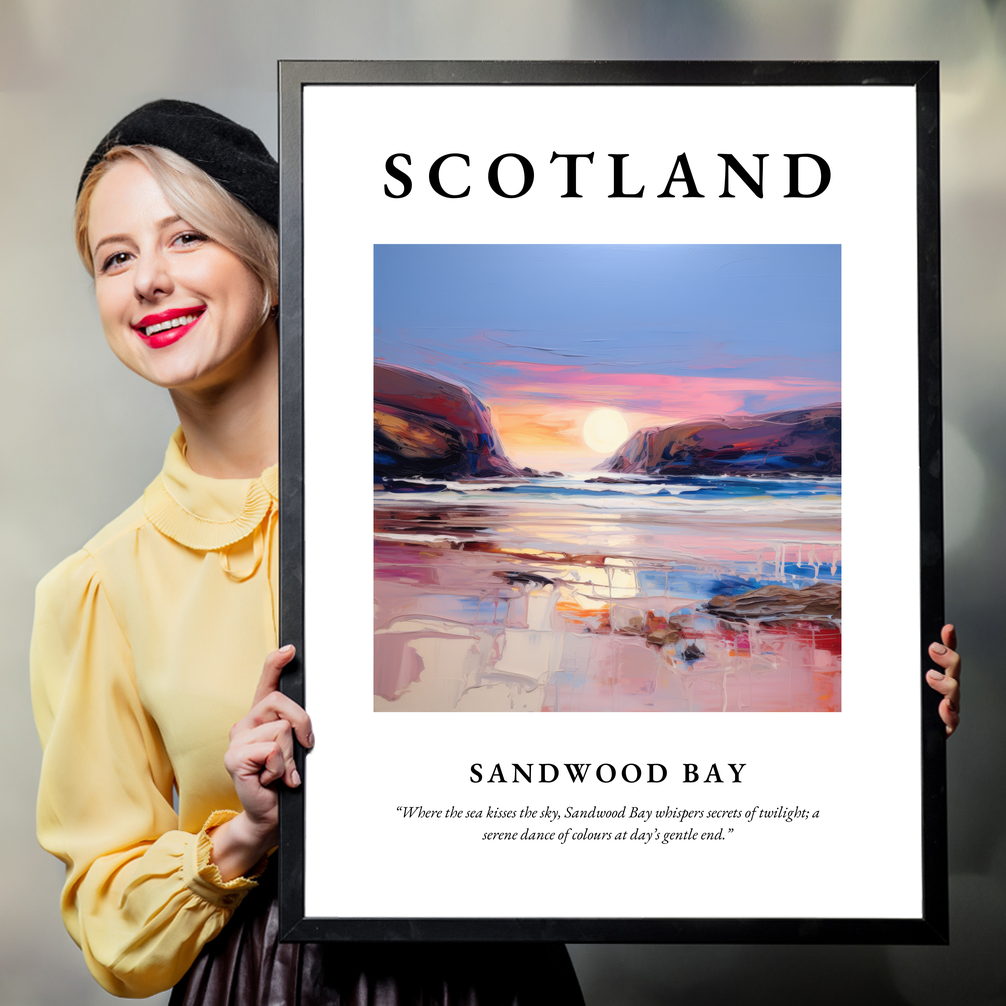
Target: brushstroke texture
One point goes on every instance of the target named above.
(700, 572)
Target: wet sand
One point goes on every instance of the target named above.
(545, 608)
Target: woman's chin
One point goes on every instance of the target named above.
(196, 365)
(173, 374)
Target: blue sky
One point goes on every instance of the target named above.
(754, 310)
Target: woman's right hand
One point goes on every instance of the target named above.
(259, 754)
(948, 681)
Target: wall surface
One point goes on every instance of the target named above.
(82, 436)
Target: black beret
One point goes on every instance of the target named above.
(231, 154)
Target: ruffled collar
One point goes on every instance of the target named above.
(203, 513)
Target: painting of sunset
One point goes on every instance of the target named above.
(607, 478)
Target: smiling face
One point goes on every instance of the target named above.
(177, 307)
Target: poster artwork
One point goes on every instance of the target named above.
(635, 341)
(607, 478)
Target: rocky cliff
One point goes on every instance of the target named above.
(428, 427)
(794, 442)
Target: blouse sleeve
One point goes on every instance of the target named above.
(141, 898)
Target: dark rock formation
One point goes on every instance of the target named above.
(794, 442)
(816, 601)
(515, 576)
(425, 426)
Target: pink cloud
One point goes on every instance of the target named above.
(671, 395)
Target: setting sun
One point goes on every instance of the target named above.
(604, 430)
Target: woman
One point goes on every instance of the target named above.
(148, 643)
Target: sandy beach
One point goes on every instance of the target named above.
(569, 595)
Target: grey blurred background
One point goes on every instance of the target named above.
(82, 436)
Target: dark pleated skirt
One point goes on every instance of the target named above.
(246, 965)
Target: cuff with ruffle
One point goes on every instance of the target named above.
(202, 876)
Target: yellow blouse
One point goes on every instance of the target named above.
(147, 647)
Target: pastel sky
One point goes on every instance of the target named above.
(545, 334)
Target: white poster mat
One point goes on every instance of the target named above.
(860, 768)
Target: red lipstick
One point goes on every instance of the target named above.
(166, 327)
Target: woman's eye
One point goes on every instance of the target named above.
(190, 238)
(114, 261)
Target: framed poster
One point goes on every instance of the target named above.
(610, 422)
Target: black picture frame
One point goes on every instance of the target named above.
(931, 927)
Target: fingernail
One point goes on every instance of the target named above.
(938, 648)
(310, 740)
(295, 777)
(936, 675)
(287, 649)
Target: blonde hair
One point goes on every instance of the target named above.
(199, 200)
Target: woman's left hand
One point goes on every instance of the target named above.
(948, 681)
(260, 754)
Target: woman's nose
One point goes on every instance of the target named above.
(152, 277)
